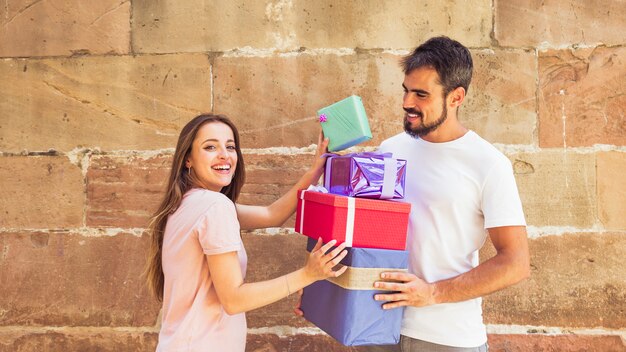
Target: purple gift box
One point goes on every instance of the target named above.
(365, 175)
(345, 308)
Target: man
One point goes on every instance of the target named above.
(459, 185)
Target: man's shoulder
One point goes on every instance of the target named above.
(486, 149)
(398, 139)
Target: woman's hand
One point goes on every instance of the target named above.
(319, 264)
(322, 148)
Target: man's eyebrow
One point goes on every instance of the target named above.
(419, 91)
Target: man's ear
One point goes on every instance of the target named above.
(456, 97)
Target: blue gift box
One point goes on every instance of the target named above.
(351, 315)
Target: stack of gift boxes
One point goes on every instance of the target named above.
(355, 207)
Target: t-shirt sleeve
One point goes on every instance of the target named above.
(501, 203)
(218, 230)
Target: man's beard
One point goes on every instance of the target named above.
(423, 129)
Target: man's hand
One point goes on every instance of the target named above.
(510, 265)
(413, 291)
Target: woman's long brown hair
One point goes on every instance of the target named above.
(180, 181)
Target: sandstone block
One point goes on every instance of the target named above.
(557, 188)
(295, 343)
(611, 168)
(296, 87)
(110, 102)
(66, 279)
(582, 99)
(501, 103)
(73, 340)
(563, 343)
(577, 280)
(40, 192)
(270, 256)
(47, 28)
(197, 25)
(335, 24)
(190, 26)
(125, 192)
(269, 177)
(532, 23)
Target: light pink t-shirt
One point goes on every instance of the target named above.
(193, 317)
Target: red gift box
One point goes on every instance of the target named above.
(360, 222)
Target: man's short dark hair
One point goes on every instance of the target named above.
(451, 60)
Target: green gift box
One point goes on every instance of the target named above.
(345, 123)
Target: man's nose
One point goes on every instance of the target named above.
(408, 102)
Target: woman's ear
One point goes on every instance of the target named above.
(188, 164)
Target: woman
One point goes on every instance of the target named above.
(197, 260)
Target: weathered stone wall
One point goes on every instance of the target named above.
(94, 93)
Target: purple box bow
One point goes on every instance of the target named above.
(366, 175)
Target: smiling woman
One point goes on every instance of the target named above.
(197, 262)
(213, 159)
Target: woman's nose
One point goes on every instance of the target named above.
(222, 153)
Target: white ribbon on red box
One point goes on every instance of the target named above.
(349, 217)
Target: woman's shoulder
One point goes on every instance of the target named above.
(206, 199)
(214, 212)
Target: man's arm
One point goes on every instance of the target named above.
(510, 265)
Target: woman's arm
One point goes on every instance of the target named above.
(237, 296)
(275, 214)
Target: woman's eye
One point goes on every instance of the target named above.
(209, 147)
(231, 147)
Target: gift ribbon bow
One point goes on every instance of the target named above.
(317, 188)
(323, 118)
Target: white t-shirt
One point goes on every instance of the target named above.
(457, 189)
